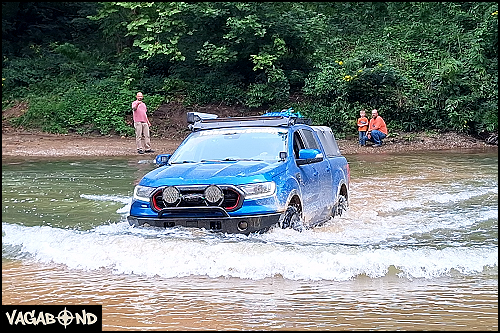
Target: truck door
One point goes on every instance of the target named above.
(315, 180)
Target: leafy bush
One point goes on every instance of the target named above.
(423, 65)
(100, 106)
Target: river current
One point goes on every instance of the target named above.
(416, 250)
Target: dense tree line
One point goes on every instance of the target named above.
(424, 65)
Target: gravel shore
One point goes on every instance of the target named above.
(24, 144)
(169, 128)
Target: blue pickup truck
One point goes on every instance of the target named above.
(245, 175)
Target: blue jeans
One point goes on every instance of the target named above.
(362, 138)
(376, 137)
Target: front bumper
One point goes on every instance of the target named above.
(232, 225)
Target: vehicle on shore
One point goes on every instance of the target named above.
(245, 175)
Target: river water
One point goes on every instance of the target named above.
(416, 250)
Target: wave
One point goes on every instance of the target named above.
(428, 201)
(114, 198)
(179, 252)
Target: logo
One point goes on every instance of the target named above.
(65, 318)
(55, 317)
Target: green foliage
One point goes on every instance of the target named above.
(229, 94)
(206, 88)
(274, 89)
(79, 109)
(84, 108)
(213, 56)
(340, 115)
(423, 65)
(41, 23)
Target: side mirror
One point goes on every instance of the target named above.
(162, 159)
(309, 153)
(307, 156)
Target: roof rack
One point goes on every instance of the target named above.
(198, 121)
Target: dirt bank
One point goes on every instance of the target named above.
(169, 127)
(30, 145)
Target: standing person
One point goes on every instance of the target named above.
(362, 127)
(377, 130)
(141, 125)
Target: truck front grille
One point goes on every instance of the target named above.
(193, 196)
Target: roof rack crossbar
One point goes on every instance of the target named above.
(198, 123)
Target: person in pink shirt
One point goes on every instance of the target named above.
(141, 125)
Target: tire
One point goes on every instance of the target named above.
(291, 219)
(340, 207)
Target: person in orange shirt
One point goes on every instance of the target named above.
(362, 127)
(377, 130)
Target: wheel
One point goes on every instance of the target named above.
(291, 219)
(340, 207)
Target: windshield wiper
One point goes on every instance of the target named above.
(181, 162)
(230, 159)
(242, 159)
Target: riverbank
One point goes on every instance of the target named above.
(25, 144)
(169, 128)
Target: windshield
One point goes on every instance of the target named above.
(232, 144)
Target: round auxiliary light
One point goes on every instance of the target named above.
(213, 194)
(171, 195)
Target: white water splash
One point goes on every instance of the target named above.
(176, 253)
(121, 199)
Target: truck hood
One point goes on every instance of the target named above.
(240, 172)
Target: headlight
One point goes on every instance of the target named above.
(143, 192)
(258, 190)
